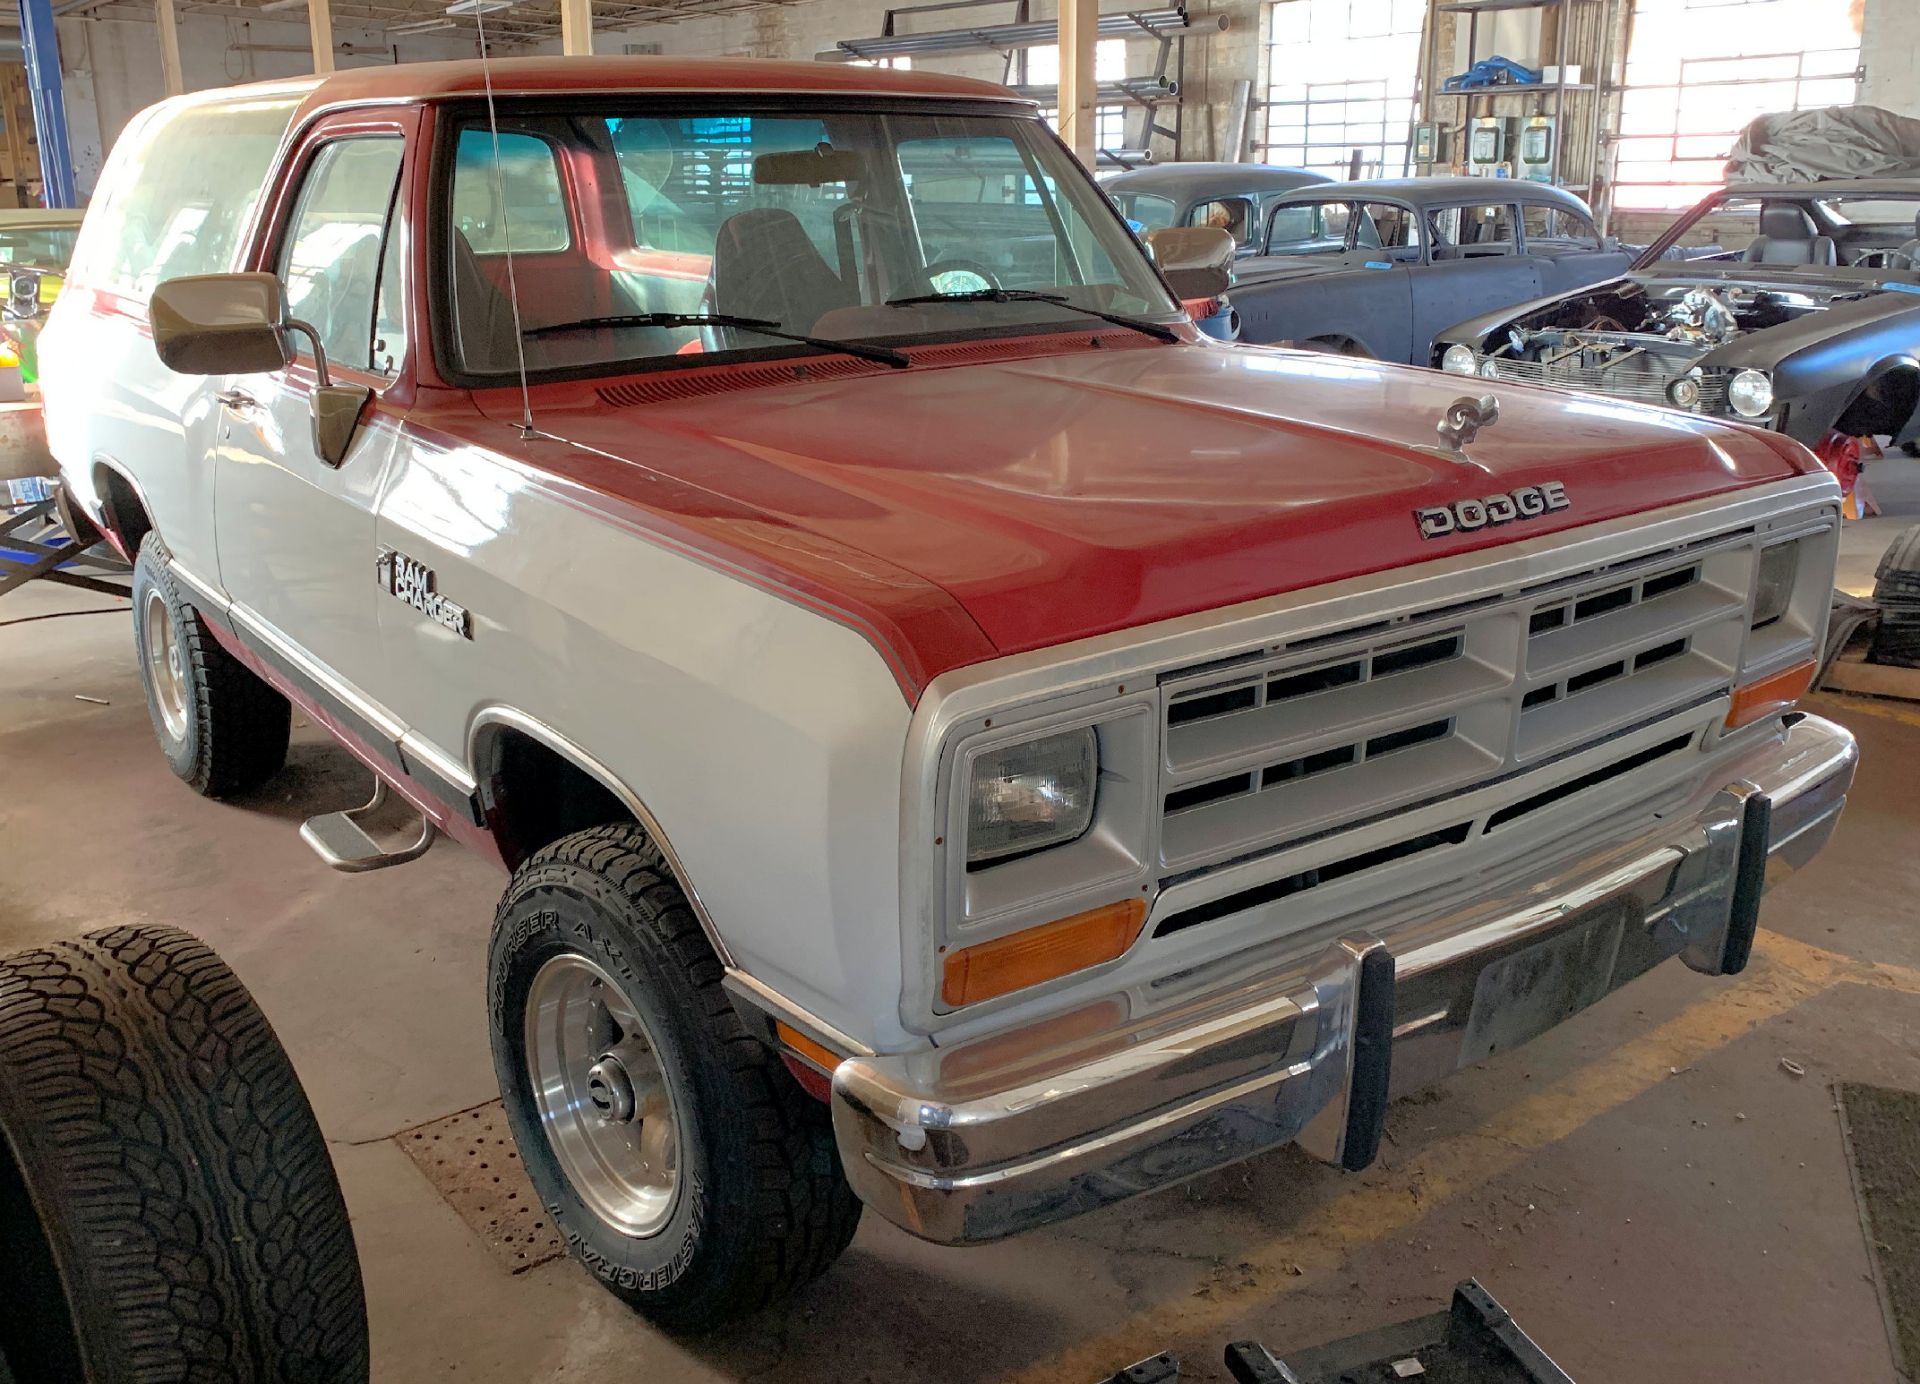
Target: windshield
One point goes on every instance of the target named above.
(49, 247)
(1804, 229)
(811, 222)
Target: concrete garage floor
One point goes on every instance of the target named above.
(1647, 1188)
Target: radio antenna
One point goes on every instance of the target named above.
(479, 9)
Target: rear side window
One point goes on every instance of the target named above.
(180, 198)
(1556, 228)
(1489, 226)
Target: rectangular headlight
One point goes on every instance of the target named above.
(1773, 588)
(1031, 796)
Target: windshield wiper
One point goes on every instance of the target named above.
(1028, 295)
(761, 325)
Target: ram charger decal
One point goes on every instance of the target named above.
(414, 583)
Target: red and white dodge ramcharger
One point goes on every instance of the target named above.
(962, 742)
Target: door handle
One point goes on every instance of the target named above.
(237, 399)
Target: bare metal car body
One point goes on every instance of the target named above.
(1376, 268)
(1823, 321)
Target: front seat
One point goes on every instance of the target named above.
(765, 266)
(483, 328)
(1787, 236)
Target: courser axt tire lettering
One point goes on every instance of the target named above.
(223, 730)
(166, 1199)
(761, 1205)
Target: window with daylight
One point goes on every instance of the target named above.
(1109, 65)
(1699, 70)
(1340, 78)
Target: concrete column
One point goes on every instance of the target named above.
(170, 72)
(320, 34)
(1079, 31)
(576, 28)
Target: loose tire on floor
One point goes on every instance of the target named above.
(223, 730)
(739, 1199)
(166, 1201)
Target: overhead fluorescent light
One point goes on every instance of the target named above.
(277, 6)
(479, 6)
(421, 26)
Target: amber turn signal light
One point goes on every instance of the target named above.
(1041, 953)
(1771, 694)
(817, 1053)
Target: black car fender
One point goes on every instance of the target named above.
(1855, 365)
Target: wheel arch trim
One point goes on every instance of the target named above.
(102, 464)
(491, 719)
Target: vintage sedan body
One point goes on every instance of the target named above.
(1235, 197)
(1377, 268)
(1808, 324)
(979, 752)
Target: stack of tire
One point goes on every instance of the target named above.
(1896, 590)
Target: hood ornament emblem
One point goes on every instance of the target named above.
(1462, 421)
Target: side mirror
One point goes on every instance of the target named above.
(220, 324)
(237, 324)
(1197, 260)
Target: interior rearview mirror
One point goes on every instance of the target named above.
(808, 167)
(220, 324)
(1197, 260)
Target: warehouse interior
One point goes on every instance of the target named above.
(1676, 1179)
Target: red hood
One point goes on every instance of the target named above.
(956, 513)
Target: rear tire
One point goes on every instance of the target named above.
(738, 1198)
(222, 729)
(166, 1201)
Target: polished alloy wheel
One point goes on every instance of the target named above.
(166, 672)
(602, 1095)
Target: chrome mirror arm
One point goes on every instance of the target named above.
(306, 329)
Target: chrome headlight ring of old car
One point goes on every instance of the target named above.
(1460, 359)
(1750, 393)
(1684, 392)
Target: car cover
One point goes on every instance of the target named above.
(1835, 142)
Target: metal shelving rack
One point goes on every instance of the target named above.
(1153, 96)
(1454, 111)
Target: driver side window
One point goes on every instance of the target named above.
(340, 259)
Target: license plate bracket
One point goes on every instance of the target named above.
(1521, 996)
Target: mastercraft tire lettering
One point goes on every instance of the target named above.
(680, 1162)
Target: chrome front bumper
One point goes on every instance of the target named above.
(1032, 1125)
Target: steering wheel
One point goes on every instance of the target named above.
(961, 276)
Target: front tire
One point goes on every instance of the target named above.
(167, 1206)
(223, 730)
(684, 1168)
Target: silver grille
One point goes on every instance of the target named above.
(1620, 382)
(1280, 746)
